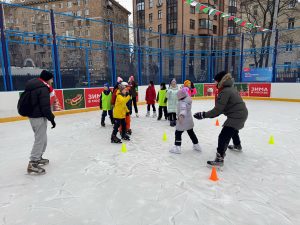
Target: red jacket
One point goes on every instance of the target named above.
(150, 95)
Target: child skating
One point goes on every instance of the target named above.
(184, 122)
(150, 99)
(172, 102)
(229, 103)
(162, 102)
(105, 104)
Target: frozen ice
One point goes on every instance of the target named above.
(90, 181)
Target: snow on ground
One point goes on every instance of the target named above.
(90, 181)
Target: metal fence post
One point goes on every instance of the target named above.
(139, 58)
(87, 67)
(210, 76)
(184, 60)
(6, 75)
(160, 59)
(113, 60)
(57, 76)
(242, 58)
(275, 57)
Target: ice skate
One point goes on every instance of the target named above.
(173, 123)
(137, 115)
(175, 149)
(102, 124)
(34, 168)
(218, 162)
(196, 147)
(148, 114)
(43, 161)
(154, 115)
(236, 148)
(125, 137)
(115, 139)
(129, 131)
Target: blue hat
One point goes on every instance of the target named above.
(106, 85)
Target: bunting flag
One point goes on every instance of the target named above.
(212, 12)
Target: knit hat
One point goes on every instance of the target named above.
(131, 78)
(106, 85)
(173, 80)
(151, 82)
(46, 75)
(187, 83)
(219, 76)
(123, 85)
(119, 79)
(182, 93)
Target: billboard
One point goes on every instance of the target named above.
(257, 74)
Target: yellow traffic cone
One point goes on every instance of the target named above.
(124, 149)
(271, 141)
(165, 137)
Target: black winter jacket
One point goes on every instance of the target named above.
(40, 99)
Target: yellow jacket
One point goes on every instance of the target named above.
(120, 108)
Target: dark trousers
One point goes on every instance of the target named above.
(224, 138)
(104, 114)
(172, 116)
(118, 123)
(134, 105)
(153, 107)
(190, 132)
(160, 112)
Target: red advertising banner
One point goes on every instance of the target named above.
(210, 89)
(92, 97)
(260, 90)
(59, 103)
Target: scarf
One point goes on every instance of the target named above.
(53, 98)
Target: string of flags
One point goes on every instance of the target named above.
(212, 11)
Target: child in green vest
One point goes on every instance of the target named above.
(162, 101)
(105, 104)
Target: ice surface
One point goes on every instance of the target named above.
(90, 181)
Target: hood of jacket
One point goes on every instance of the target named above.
(34, 84)
(227, 81)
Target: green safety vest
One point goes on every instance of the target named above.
(162, 97)
(106, 101)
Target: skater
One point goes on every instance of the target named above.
(40, 90)
(150, 99)
(162, 102)
(172, 102)
(119, 114)
(105, 104)
(192, 91)
(229, 103)
(184, 122)
(133, 93)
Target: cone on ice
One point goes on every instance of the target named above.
(214, 176)
(271, 141)
(217, 123)
(165, 136)
(124, 149)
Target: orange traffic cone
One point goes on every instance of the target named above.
(217, 123)
(214, 176)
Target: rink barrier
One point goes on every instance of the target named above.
(81, 100)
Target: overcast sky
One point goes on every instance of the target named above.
(128, 5)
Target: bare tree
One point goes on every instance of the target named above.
(261, 12)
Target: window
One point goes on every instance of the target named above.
(69, 4)
(205, 24)
(150, 4)
(172, 16)
(150, 17)
(255, 9)
(159, 28)
(289, 46)
(46, 7)
(140, 6)
(150, 43)
(78, 2)
(287, 67)
(159, 14)
(61, 5)
(79, 23)
(32, 19)
(233, 3)
(215, 29)
(87, 23)
(215, 17)
(90, 63)
(291, 23)
(192, 9)
(159, 3)
(230, 30)
(62, 24)
(292, 4)
(87, 12)
(78, 13)
(53, 6)
(87, 33)
(33, 28)
(192, 24)
(86, 2)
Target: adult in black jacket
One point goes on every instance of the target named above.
(40, 89)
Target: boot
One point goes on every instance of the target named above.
(34, 168)
(154, 115)
(125, 137)
(175, 149)
(237, 148)
(148, 114)
(43, 161)
(129, 131)
(173, 123)
(196, 147)
(115, 139)
(218, 162)
(102, 124)
(137, 115)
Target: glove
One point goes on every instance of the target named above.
(53, 124)
(199, 115)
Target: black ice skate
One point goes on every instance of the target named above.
(125, 137)
(173, 123)
(43, 161)
(129, 131)
(34, 168)
(218, 162)
(102, 124)
(237, 148)
(115, 139)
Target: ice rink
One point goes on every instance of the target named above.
(90, 181)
